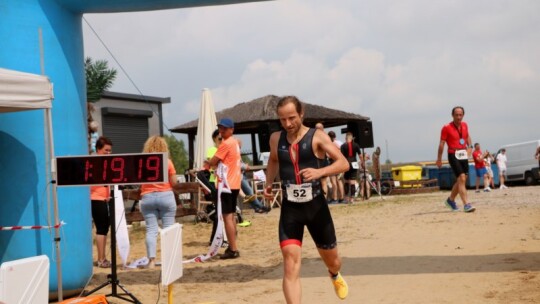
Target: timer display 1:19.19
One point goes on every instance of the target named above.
(120, 169)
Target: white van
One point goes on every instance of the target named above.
(521, 165)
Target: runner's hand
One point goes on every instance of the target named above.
(268, 192)
(310, 174)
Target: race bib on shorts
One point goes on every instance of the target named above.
(461, 154)
(299, 193)
(354, 165)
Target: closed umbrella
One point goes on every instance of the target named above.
(206, 125)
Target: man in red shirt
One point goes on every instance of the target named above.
(456, 135)
(480, 168)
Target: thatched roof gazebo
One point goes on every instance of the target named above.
(259, 117)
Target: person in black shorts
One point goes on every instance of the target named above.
(100, 197)
(325, 162)
(296, 154)
(456, 135)
(351, 151)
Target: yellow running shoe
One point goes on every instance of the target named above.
(342, 290)
(244, 224)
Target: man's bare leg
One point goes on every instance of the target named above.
(460, 188)
(230, 230)
(292, 259)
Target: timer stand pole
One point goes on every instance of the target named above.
(112, 278)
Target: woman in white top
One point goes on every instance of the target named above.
(501, 164)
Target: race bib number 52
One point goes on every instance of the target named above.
(299, 193)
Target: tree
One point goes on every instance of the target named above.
(178, 153)
(98, 78)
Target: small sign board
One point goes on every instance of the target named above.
(171, 254)
(25, 281)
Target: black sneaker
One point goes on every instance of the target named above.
(263, 209)
(230, 254)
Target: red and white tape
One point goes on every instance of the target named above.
(30, 227)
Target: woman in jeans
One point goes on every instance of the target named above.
(157, 200)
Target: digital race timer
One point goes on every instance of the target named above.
(110, 169)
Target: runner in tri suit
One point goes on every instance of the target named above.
(456, 135)
(298, 152)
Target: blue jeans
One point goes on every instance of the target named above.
(246, 188)
(157, 205)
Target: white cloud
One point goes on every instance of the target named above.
(405, 64)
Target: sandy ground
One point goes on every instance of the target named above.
(403, 249)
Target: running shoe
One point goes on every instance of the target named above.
(468, 208)
(340, 286)
(230, 254)
(487, 189)
(451, 204)
(244, 224)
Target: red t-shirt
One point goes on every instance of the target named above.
(451, 134)
(229, 153)
(478, 164)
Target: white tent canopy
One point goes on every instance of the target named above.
(23, 91)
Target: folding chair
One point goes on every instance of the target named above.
(275, 201)
(206, 196)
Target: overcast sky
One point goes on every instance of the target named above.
(403, 63)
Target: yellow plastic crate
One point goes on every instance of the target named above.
(407, 173)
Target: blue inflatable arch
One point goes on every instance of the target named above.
(22, 156)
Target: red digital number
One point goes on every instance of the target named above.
(117, 166)
(104, 170)
(152, 164)
(86, 168)
(139, 172)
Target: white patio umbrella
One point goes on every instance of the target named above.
(207, 124)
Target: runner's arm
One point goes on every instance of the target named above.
(469, 145)
(323, 145)
(440, 152)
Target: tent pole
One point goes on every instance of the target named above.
(55, 206)
(48, 118)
